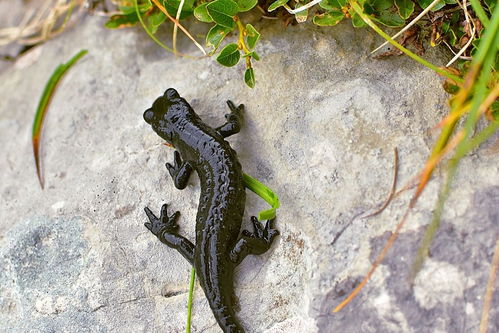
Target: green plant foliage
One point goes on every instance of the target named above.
(277, 4)
(121, 21)
(245, 5)
(253, 55)
(171, 7)
(216, 35)
(330, 18)
(426, 3)
(249, 77)
(229, 56)
(390, 19)
(155, 20)
(201, 13)
(333, 4)
(381, 5)
(405, 8)
(357, 21)
(448, 26)
(252, 36)
(223, 12)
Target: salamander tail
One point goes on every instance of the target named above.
(227, 320)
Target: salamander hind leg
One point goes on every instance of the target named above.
(256, 243)
(234, 120)
(165, 228)
(180, 171)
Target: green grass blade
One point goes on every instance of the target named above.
(483, 61)
(265, 193)
(189, 301)
(43, 104)
(480, 12)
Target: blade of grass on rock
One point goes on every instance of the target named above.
(41, 110)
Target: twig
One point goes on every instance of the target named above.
(376, 263)
(394, 186)
(175, 26)
(156, 2)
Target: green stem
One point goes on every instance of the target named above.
(480, 12)
(241, 43)
(189, 301)
(147, 30)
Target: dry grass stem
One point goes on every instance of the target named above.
(46, 21)
(489, 291)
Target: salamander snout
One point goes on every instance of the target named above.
(149, 116)
(171, 94)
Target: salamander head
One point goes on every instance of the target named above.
(165, 112)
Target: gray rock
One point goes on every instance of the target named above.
(321, 124)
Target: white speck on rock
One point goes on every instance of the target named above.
(58, 206)
(203, 75)
(438, 282)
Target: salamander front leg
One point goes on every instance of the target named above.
(165, 228)
(257, 242)
(234, 120)
(180, 171)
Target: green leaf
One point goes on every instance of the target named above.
(155, 20)
(301, 17)
(126, 10)
(276, 4)
(223, 12)
(332, 4)
(252, 36)
(329, 19)
(405, 8)
(216, 35)
(357, 21)
(425, 3)
(495, 110)
(201, 13)
(253, 55)
(452, 37)
(381, 5)
(249, 77)
(390, 19)
(245, 5)
(229, 56)
(171, 7)
(121, 21)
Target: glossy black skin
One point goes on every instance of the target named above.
(219, 248)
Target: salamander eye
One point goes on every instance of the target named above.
(149, 116)
(171, 93)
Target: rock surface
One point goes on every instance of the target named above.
(320, 127)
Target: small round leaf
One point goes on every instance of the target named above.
(249, 77)
(229, 56)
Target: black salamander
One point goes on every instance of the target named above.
(219, 248)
